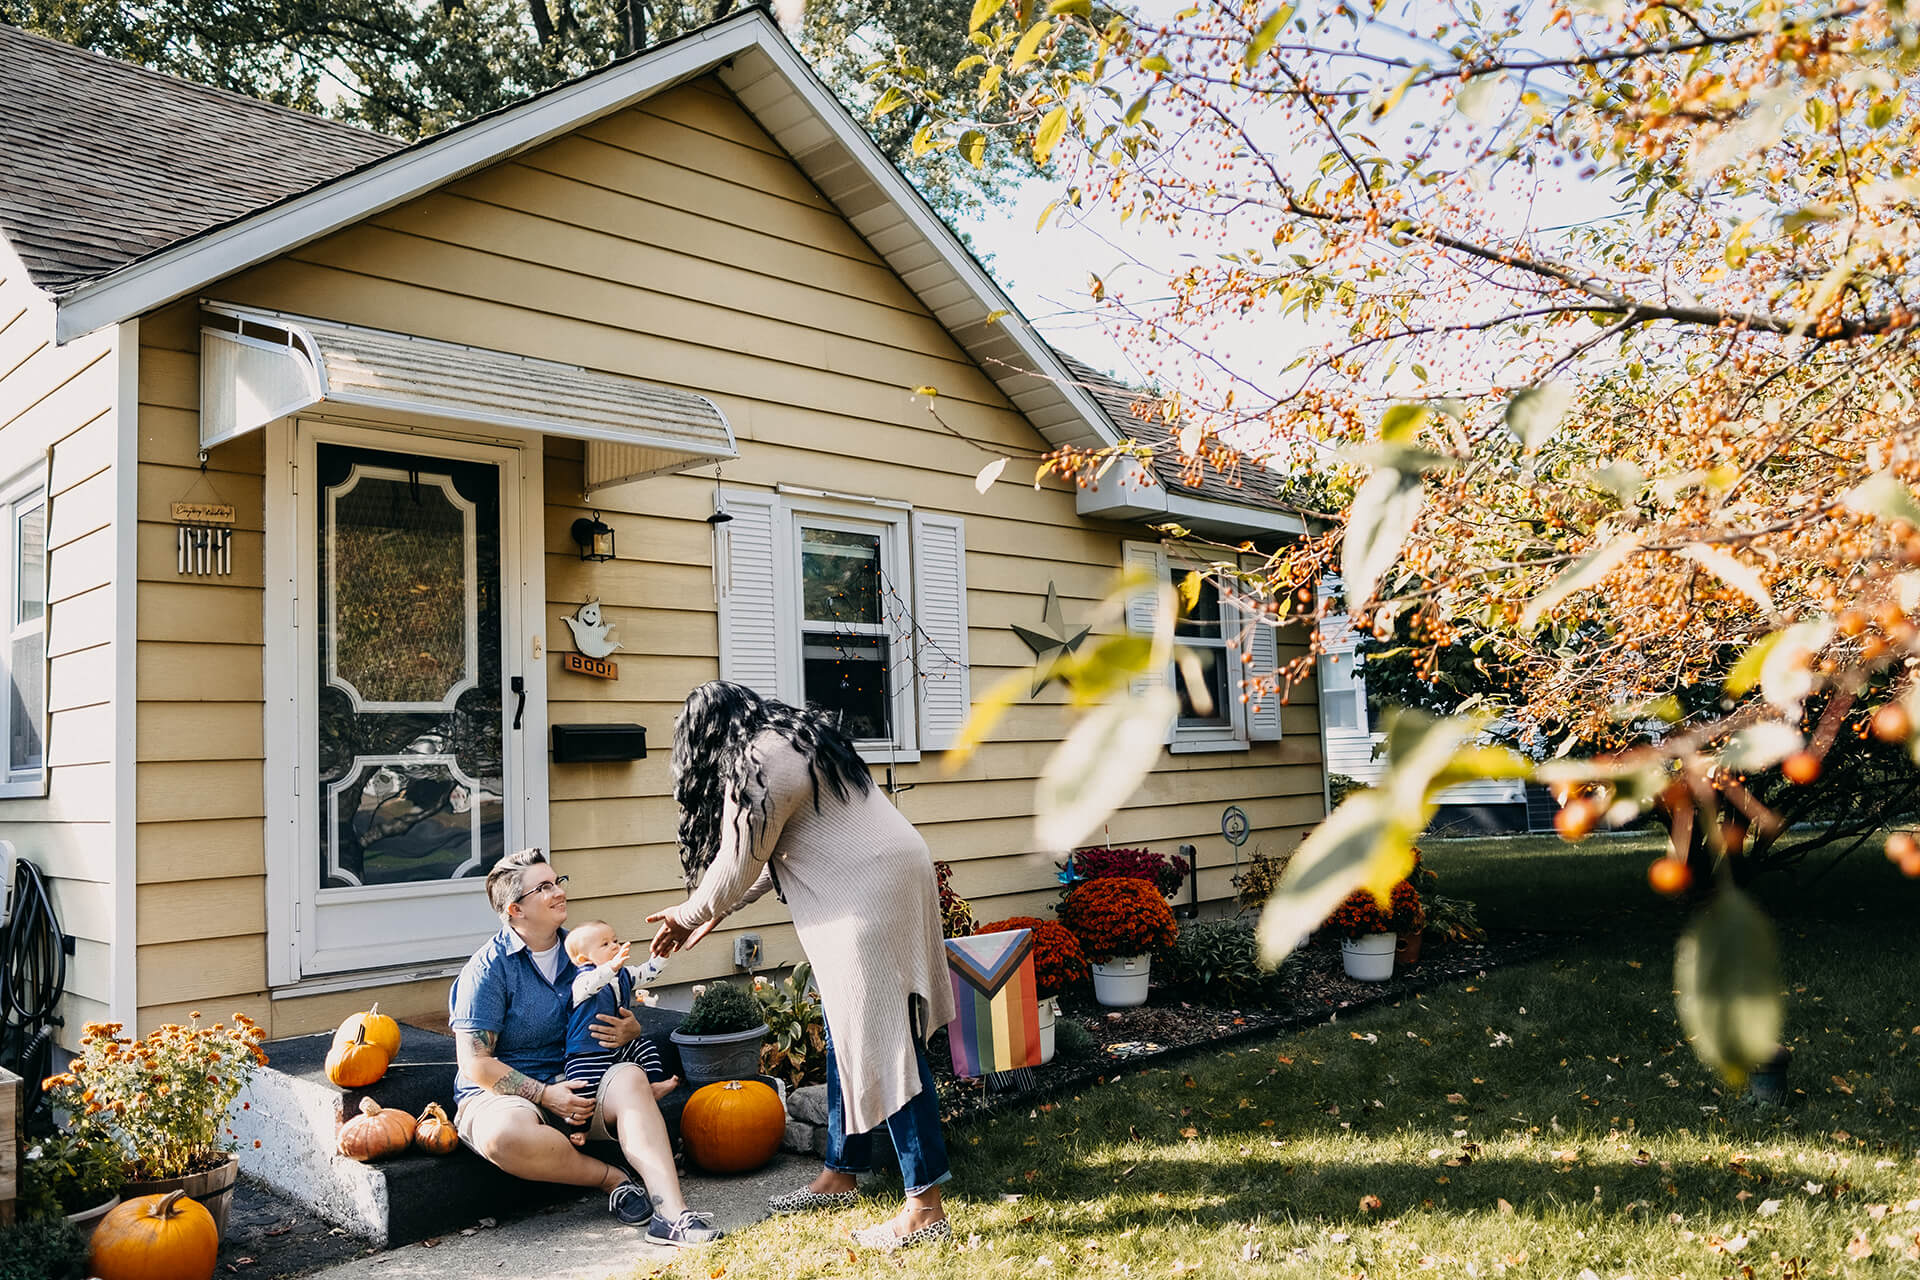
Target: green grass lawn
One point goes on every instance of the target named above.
(1535, 1121)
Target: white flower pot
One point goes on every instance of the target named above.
(1121, 982)
(1368, 958)
(1048, 1012)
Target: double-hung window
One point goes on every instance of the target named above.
(1220, 708)
(856, 606)
(23, 594)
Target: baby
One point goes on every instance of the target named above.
(602, 985)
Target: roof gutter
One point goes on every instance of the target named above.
(1128, 491)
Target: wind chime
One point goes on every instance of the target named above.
(203, 533)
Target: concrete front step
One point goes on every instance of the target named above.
(294, 1112)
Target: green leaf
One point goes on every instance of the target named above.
(989, 82)
(1079, 8)
(982, 11)
(1401, 422)
(1392, 100)
(1726, 973)
(1881, 113)
(1155, 63)
(969, 62)
(973, 145)
(1534, 412)
(892, 100)
(1028, 48)
(1098, 766)
(1885, 496)
(1264, 38)
(1581, 574)
(1746, 670)
(1479, 99)
(1382, 515)
(1138, 109)
(1052, 126)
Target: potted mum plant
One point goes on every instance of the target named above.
(1407, 916)
(1058, 963)
(164, 1099)
(721, 1036)
(75, 1173)
(1163, 871)
(1366, 937)
(1120, 922)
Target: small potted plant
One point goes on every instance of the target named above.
(956, 913)
(1120, 922)
(1058, 964)
(1164, 872)
(721, 1036)
(165, 1100)
(75, 1173)
(1407, 917)
(796, 1047)
(1366, 936)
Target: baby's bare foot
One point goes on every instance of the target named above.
(578, 1137)
(661, 1088)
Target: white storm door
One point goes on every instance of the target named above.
(409, 776)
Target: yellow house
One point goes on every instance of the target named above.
(306, 437)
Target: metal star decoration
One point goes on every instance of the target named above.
(1052, 644)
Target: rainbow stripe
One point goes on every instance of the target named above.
(998, 1031)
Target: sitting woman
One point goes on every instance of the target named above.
(509, 1010)
(775, 797)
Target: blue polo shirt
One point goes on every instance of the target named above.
(503, 991)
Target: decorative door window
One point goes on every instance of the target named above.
(410, 751)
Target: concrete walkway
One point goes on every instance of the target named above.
(578, 1240)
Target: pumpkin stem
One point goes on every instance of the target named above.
(165, 1208)
(372, 1009)
(368, 1107)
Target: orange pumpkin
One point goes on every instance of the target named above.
(159, 1237)
(435, 1133)
(356, 1063)
(379, 1028)
(734, 1126)
(377, 1131)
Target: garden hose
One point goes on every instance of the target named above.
(33, 953)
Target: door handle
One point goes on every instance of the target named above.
(519, 686)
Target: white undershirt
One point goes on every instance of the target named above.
(547, 961)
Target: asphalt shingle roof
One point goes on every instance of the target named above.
(1253, 484)
(103, 162)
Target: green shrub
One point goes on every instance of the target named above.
(44, 1249)
(720, 1009)
(1072, 1042)
(1340, 786)
(1216, 959)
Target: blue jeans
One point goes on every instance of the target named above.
(914, 1128)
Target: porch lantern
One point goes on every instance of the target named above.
(595, 537)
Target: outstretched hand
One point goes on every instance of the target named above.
(673, 936)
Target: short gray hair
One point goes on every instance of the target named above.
(503, 882)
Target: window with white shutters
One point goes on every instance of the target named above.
(1218, 630)
(23, 595)
(856, 608)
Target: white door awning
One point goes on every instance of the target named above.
(256, 366)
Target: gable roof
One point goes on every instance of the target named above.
(102, 162)
(125, 189)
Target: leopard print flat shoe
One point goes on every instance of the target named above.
(880, 1236)
(804, 1199)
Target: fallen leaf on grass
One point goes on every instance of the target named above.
(1814, 1188)
(1456, 1098)
(1839, 1082)
(1501, 1204)
(1641, 1159)
(1858, 1247)
(1369, 1204)
(1189, 1132)
(1732, 1244)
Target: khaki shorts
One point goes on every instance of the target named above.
(499, 1104)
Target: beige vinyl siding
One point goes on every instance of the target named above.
(199, 799)
(64, 399)
(675, 243)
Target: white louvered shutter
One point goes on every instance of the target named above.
(749, 565)
(940, 638)
(1263, 706)
(1150, 558)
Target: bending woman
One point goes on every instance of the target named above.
(774, 797)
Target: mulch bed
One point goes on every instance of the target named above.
(1310, 988)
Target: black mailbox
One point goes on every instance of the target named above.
(590, 743)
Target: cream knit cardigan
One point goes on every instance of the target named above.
(859, 881)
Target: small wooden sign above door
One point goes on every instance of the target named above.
(581, 664)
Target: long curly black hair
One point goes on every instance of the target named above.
(714, 761)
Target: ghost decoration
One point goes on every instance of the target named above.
(590, 635)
